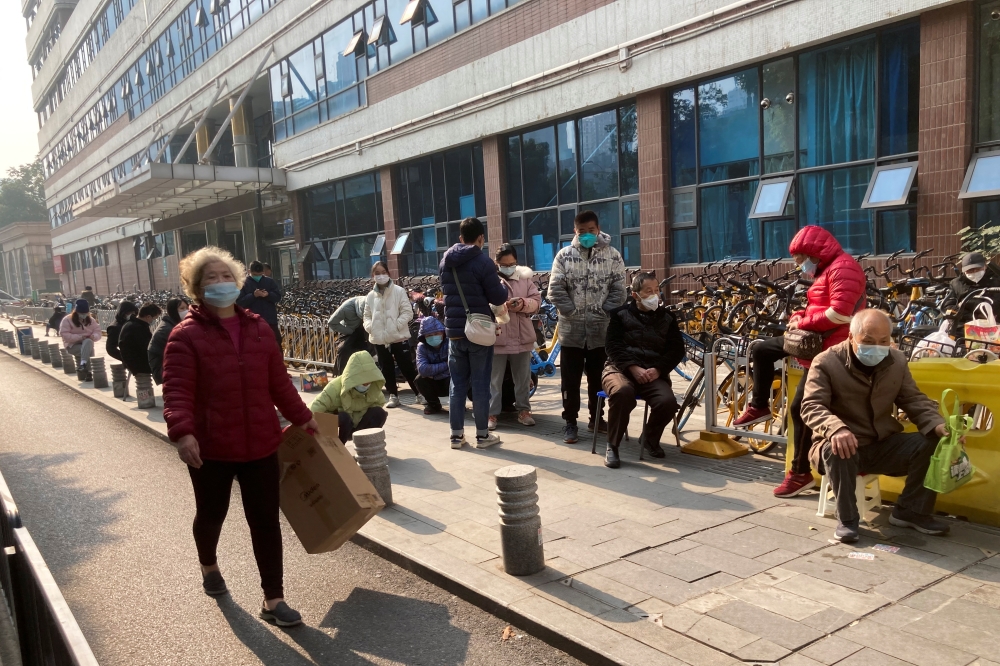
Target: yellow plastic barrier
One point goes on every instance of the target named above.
(794, 374)
(976, 383)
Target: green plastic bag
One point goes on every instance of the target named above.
(950, 466)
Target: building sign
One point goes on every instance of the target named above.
(59, 264)
(289, 228)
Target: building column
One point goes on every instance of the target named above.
(389, 218)
(296, 202)
(947, 101)
(653, 117)
(203, 139)
(495, 175)
(245, 155)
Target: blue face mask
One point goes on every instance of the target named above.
(362, 388)
(871, 355)
(588, 240)
(809, 268)
(221, 294)
(434, 340)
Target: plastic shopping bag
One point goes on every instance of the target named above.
(983, 326)
(939, 343)
(950, 466)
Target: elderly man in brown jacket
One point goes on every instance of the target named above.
(849, 396)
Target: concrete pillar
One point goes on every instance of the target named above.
(388, 184)
(495, 174)
(244, 144)
(144, 391)
(118, 383)
(99, 371)
(944, 145)
(212, 235)
(653, 117)
(54, 356)
(69, 362)
(372, 458)
(203, 139)
(520, 523)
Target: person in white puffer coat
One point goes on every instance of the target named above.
(387, 319)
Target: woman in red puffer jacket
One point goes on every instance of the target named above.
(223, 375)
(837, 292)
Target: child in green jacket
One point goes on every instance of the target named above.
(355, 396)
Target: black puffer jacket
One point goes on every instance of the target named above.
(647, 339)
(133, 344)
(961, 286)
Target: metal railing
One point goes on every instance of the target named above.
(47, 632)
(307, 341)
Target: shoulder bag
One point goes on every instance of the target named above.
(479, 328)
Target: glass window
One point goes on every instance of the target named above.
(461, 192)
(445, 24)
(779, 116)
(832, 200)
(497, 6)
(403, 46)
(682, 209)
(771, 198)
(515, 231)
(836, 99)
(480, 10)
(514, 200)
(479, 179)
(777, 236)
(539, 168)
(900, 90)
(566, 219)
(340, 69)
(420, 191)
(982, 177)
(890, 185)
(321, 215)
(567, 162)
(682, 139)
(684, 246)
(629, 142)
(359, 204)
(897, 230)
(630, 214)
(541, 239)
(987, 213)
(599, 156)
(989, 73)
(726, 230)
(728, 128)
(302, 68)
(631, 250)
(609, 215)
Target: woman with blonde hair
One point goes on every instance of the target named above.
(223, 375)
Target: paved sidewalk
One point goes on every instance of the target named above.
(679, 561)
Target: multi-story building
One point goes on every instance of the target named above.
(26, 264)
(321, 135)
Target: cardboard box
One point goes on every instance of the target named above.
(313, 380)
(325, 495)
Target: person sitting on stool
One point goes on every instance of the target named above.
(355, 396)
(644, 344)
(849, 403)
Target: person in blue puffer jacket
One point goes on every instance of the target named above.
(433, 377)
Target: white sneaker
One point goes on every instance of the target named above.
(392, 402)
(458, 442)
(486, 442)
(421, 400)
(492, 423)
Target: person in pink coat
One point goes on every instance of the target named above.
(79, 332)
(515, 339)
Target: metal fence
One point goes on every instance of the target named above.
(47, 632)
(307, 341)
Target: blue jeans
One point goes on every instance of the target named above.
(469, 364)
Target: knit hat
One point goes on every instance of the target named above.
(973, 260)
(82, 306)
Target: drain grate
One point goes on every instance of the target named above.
(752, 467)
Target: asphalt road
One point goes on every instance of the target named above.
(110, 506)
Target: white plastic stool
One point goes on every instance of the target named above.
(869, 497)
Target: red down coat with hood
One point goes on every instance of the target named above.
(224, 398)
(839, 286)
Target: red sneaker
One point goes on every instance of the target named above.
(795, 484)
(751, 415)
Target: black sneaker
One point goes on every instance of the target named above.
(925, 524)
(214, 584)
(282, 615)
(433, 409)
(846, 533)
(602, 428)
(571, 434)
(654, 450)
(611, 458)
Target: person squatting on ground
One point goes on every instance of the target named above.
(177, 309)
(587, 282)
(56, 319)
(852, 392)
(79, 332)
(126, 309)
(516, 338)
(348, 322)
(837, 292)
(644, 345)
(261, 295)
(135, 338)
(465, 267)
(433, 379)
(223, 375)
(354, 396)
(387, 319)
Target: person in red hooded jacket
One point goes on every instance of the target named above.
(837, 292)
(223, 375)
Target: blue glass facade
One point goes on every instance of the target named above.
(343, 221)
(826, 116)
(988, 130)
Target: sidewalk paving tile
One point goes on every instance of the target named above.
(672, 565)
(620, 547)
(834, 595)
(574, 599)
(869, 657)
(556, 568)
(756, 541)
(776, 557)
(896, 616)
(824, 566)
(582, 532)
(927, 601)
(798, 660)
(777, 629)
(582, 554)
(830, 620)
(720, 635)
(476, 534)
(761, 650)
(770, 598)
(971, 614)
(956, 635)
(983, 573)
(914, 649)
(730, 563)
(988, 595)
(831, 650)
(644, 534)
(677, 618)
(607, 590)
(957, 586)
(650, 633)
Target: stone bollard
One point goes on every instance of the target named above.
(118, 380)
(35, 353)
(69, 362)
(144, 391)
(99, 371)
(372, 458)
(43, 352)
(8, 339)
(520, 523)
(55, 355)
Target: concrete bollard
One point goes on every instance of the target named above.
(520, 522)
(55, 355)
(144, 391)
(43, 352)
(99, 371)
(24, 335)
(33, 345)
(118, 376)
(374, 461)
(69, 362)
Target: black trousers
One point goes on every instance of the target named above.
(375, 417)
(388, 356)
(764, 356)
(350, 344)
(622, 389)
(213, 486)
(573, 363)
(433, 389)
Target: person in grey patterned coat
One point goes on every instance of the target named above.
(587, 282)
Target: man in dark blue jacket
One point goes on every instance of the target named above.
(469, 363)
(259, 295)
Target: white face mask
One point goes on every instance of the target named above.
(976, 275)
(507, 271)
(650, 302)
(381, 279)
(181, 314)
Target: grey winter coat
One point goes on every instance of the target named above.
(349, 316)
(584, 291)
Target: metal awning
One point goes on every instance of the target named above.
(165, 190)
